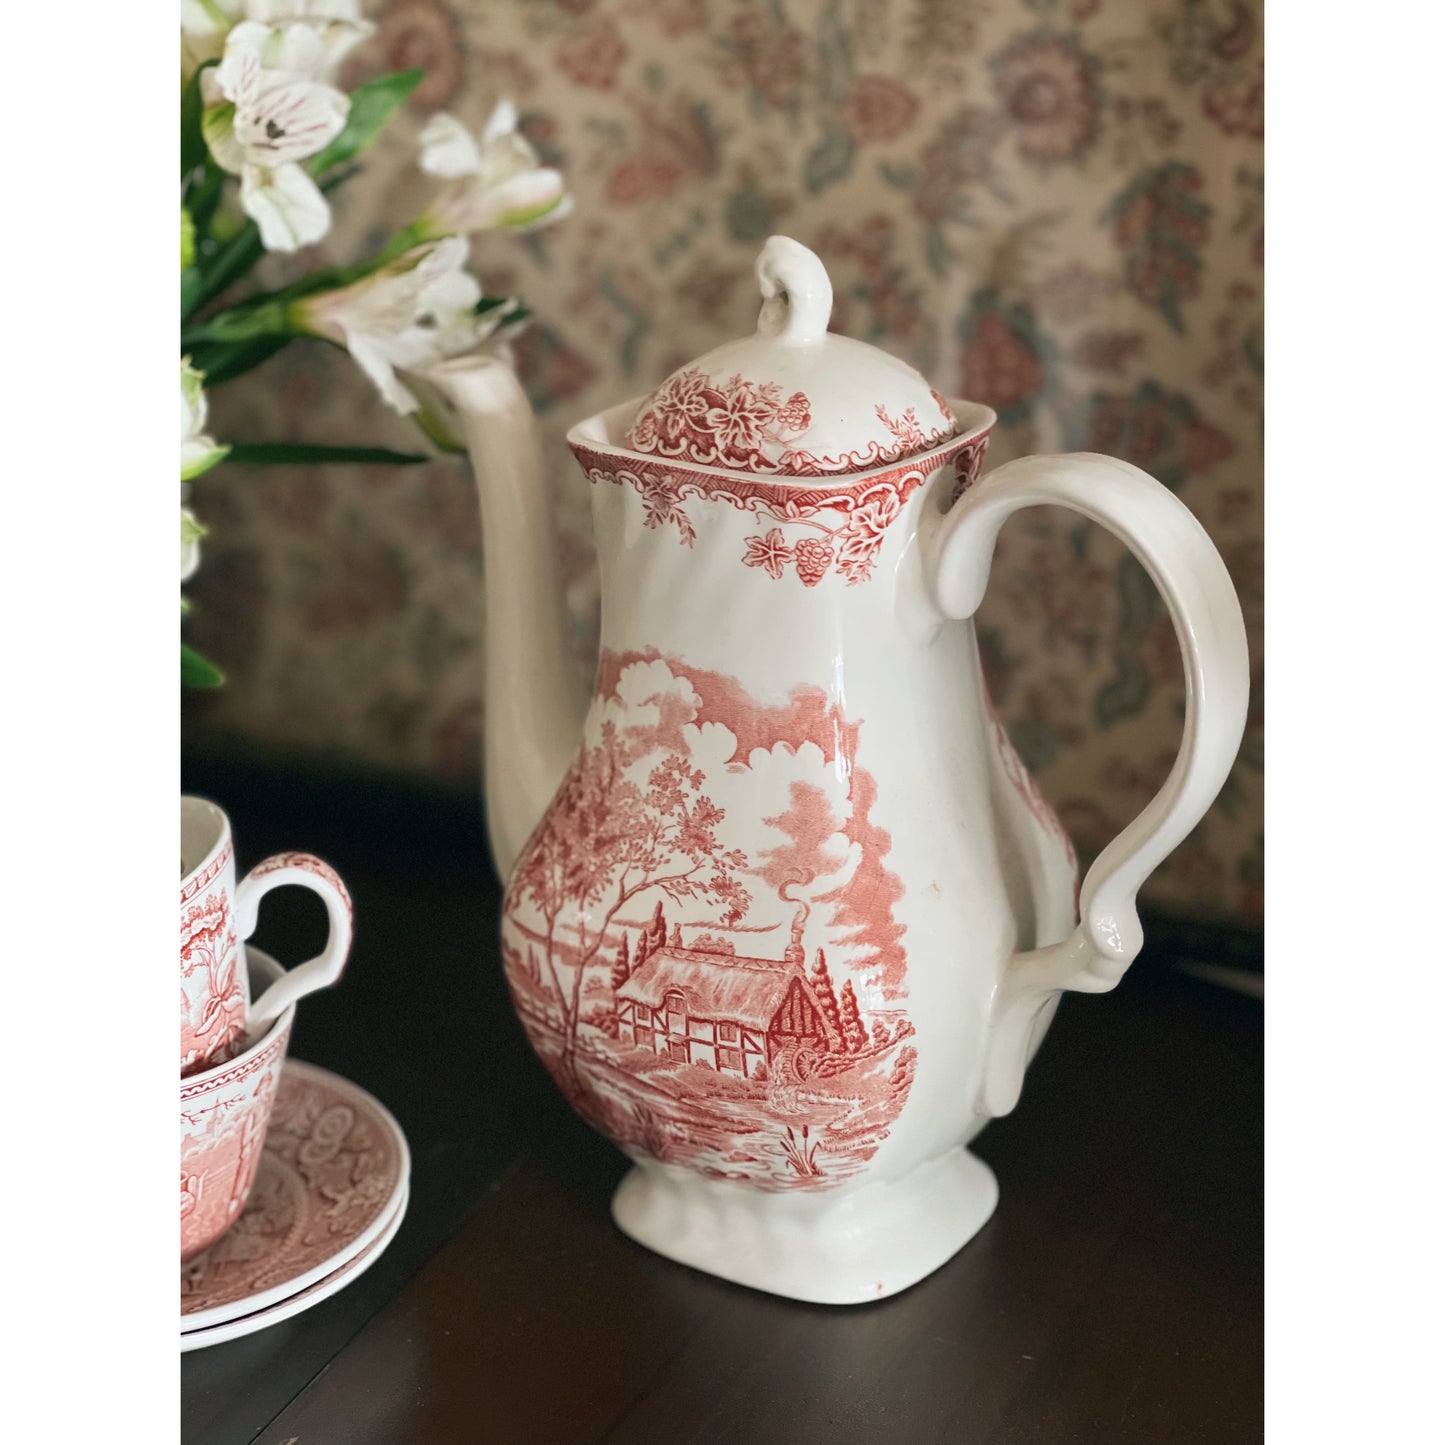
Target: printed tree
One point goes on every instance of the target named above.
(822, 983)
(606, 839)
(881, 1037)
(651, 937)
(854, 1036)
(621, 966)
(707, 943)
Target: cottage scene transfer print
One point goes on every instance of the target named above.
(700, 936)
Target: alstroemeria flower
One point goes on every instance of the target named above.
(496, 180)
(278, 115)
(198, 452)
(338, 23)
(419, 309)
(204, 26)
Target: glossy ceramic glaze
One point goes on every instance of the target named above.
(792, 399)
(217, 914)
(785, 915)
(225, 1111)
(334, 1168)
(304, 1299)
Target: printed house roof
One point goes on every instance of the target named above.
(717, 985)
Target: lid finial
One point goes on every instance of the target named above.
(797, 294)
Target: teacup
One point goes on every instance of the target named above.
(225, 1110)
(217, 914)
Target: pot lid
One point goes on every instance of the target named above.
(792, 399)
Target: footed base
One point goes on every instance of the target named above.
(864, 1245)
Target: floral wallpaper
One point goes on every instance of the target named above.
(1052, 206)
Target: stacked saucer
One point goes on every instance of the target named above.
(330, 1193)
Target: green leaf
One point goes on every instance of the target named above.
(1161, 220)
(203, 195)
(434, 428)
(372, 105)
(222, 361)
(936, 248)
(1138, 598)
(490, 303)
(1127, 693)
(417, 233)
(237, 257)
(243, 250)
(829, 161)
(196, 671)
(264, 454)
(193, 143)
(1124, 695)
(903, 178)
(835, 57)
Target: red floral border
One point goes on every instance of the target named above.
(207, 1083)
(306, 863)
(196, 884)
(747, 424)
(869, 504)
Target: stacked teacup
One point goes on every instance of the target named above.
(293, 1180)
(236, 1011)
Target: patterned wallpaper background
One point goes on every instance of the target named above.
(1052, 206)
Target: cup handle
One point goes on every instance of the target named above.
(1177, 553)
(304, 871)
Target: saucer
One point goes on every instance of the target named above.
(333, 1170)
(303, 1299)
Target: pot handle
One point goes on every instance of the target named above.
(304, 871)
(1187, 569)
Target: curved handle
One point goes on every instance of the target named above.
(797, 294)
(1176, 552)
(304, 871)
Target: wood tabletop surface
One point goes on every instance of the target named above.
(1116, 1296)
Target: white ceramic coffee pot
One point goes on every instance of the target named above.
(786, 917)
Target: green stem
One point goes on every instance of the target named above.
(269, 317)
(237, 257)
(271, 454)
(421, 230)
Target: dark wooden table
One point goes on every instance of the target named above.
(1116, 1296)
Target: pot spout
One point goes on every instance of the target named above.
(534, 698)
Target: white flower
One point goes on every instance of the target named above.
(416, 310)
(287, 205)
(204, 26)
(279, 115)
(191, 534)
(338, 24)
(198, 452)
(495, 183)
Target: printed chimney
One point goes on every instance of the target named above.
(794, 952)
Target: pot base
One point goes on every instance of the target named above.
(866, 1245)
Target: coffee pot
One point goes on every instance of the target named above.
(786, 918)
